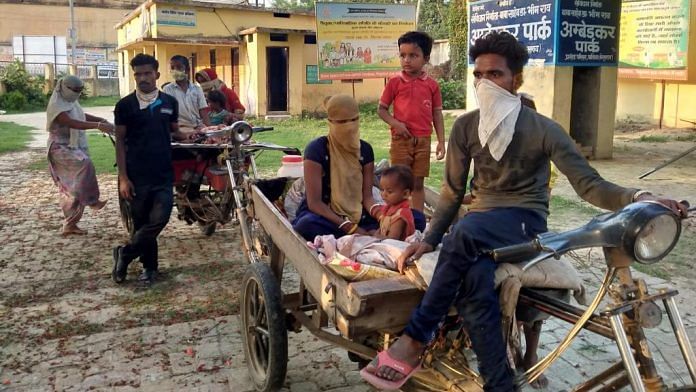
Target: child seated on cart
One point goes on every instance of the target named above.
(395, 217)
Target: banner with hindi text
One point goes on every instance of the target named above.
(530, 21)
(654, 39)
(359, 41)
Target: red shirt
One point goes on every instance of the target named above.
(414, 100)
(233, 102)
(396, 212)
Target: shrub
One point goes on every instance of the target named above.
(14, 100)
(453, 94)
(17, 80)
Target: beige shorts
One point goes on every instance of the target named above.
(413, 152)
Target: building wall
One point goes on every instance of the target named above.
(224, 24)
(95, 26)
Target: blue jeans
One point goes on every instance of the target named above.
(464, 276)
(151, 208)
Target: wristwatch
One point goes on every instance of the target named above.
(639, 194)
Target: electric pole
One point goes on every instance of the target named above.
(73, 32)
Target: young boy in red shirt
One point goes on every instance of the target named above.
(417, 108)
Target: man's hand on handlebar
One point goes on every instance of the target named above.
(678, 207)
(411, 253)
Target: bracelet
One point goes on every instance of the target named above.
(340, 227)
(353, 229)
(639, 194)
(375, 205)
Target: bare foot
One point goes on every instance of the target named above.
(98, 205)
(405, 349)
(68, 230)
(531, 359)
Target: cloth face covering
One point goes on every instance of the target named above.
(64, 99)
(145, 99)
(499, 110)
(179, 75)
(344, 153)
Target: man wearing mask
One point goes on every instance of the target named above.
(511, 147)
(192, 105)
(146, 121)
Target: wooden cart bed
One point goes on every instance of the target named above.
(356, 308)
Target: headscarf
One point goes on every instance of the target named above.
(344, 154)
(211, 80)
(64, 99)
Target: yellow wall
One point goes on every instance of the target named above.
(641, 99)
(95, 26)
(252, 55)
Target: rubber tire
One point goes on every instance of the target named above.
(271, 376)
(125, 212)
(207, 229)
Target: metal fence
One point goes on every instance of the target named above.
(101, 80)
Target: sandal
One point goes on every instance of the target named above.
(384, 359)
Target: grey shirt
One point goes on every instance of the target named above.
(190, 101)
(521, 177)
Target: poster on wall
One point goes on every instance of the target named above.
(654, 39)
(176, 17)
(359, 41)
(588, 32)
(530, 21)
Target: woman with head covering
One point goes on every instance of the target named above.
(68, 156)
(209, 81)
(338, 175)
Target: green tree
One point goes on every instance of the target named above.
(433, 18)
(457, 23)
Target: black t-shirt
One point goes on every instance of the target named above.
(148, 138)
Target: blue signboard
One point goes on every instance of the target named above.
(531, 21)
(556, 32)
(588, 32)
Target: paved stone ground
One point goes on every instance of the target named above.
(65, 326)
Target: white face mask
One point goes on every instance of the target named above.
(179, 75)
(69, 95)
(499, 110)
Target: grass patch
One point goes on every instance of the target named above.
(297, 132)
(653, 139)
(690, 137)
(101, 151)
(99, 101)
(13, 137)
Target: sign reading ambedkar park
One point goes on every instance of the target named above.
(556, 32)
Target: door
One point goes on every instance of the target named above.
(277, 79)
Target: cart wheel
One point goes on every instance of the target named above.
(124, 208)
(207, 228)
(264, 332)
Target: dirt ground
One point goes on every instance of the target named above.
(636, 152)
(65, 326)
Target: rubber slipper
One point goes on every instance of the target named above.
(384, 359)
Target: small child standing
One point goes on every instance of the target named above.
(216, 102)
(395, 217)
(417, 108)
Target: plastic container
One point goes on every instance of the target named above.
(291, 167)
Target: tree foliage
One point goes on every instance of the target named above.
(457, 23)
(433, 18)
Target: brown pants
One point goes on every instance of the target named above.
(413, 152)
